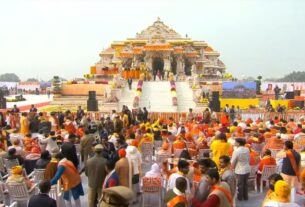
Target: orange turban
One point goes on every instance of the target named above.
(134, 143)
(122, 153)
(16, 170)
(165, 146)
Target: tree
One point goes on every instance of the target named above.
(258, 84)
(9, 77)
(295, 76)
(32, 80)
(56, 84)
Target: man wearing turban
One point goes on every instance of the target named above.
(124, 169)
(17, 176)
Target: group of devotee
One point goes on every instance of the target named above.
(200, 160)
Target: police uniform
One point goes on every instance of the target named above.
(118, 196)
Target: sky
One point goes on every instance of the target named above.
(43, 38)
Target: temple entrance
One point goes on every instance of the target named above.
(174, 65)
(187, 67)
(157, 65)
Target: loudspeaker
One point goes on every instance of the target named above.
(214, 105)
(299, 104)
(297, 93)
(92, 105)
(2, 103)
(92, 95)
(215, 95)
(289, 95)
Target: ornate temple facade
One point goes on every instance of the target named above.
(160, 48)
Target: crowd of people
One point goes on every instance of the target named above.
(200, 160)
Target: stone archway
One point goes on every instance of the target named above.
(187, 67)
(157, 65)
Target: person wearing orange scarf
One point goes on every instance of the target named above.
(291, 164)
(266, 160)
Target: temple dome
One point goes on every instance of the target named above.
(158, 30)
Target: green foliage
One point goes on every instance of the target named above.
(32, 80)
(9, 77)
(258, 84)
(295, 76)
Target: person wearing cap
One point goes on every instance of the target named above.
(17, 176)
(118, 196)
(124, 169)
(281, 196)
(71, 180)
(176, 197)
(96, 172)
(86, 144)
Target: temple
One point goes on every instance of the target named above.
(160, 48)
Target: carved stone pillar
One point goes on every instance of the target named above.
(180, 65)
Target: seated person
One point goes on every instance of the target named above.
(12, 154)
(44, 160)
(18, 176)
(42, 199)
(154, 172)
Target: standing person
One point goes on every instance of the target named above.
(50, 141)
(240, 163)
(33, 109)
(291, 162)
(220, 195)
(42, 199)
(232, 113)
(220, 146)
(86, 145)
(71, 180)
(176, 197)
(69, 151)
(190, 115)
(145, 114)
(183, 170)
(15, 109)
(112, 178)
(226, 174)
(124, 169)
(24, 123)
(117, 124)
(95, 169)
(203, 189)
(129, 81)
(79, 113)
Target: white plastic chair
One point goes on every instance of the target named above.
(160, 158)
(152, 186)
(252, 176)
(274, 152)
(10, 163)
(19, 191)
(158, 144)
(37, 175)
(14, 204)
(147, 151)
(266, 172)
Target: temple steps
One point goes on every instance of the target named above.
(156, 97)
(184, 97)
(128, 95)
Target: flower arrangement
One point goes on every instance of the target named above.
(173, 92)
(136, 99)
